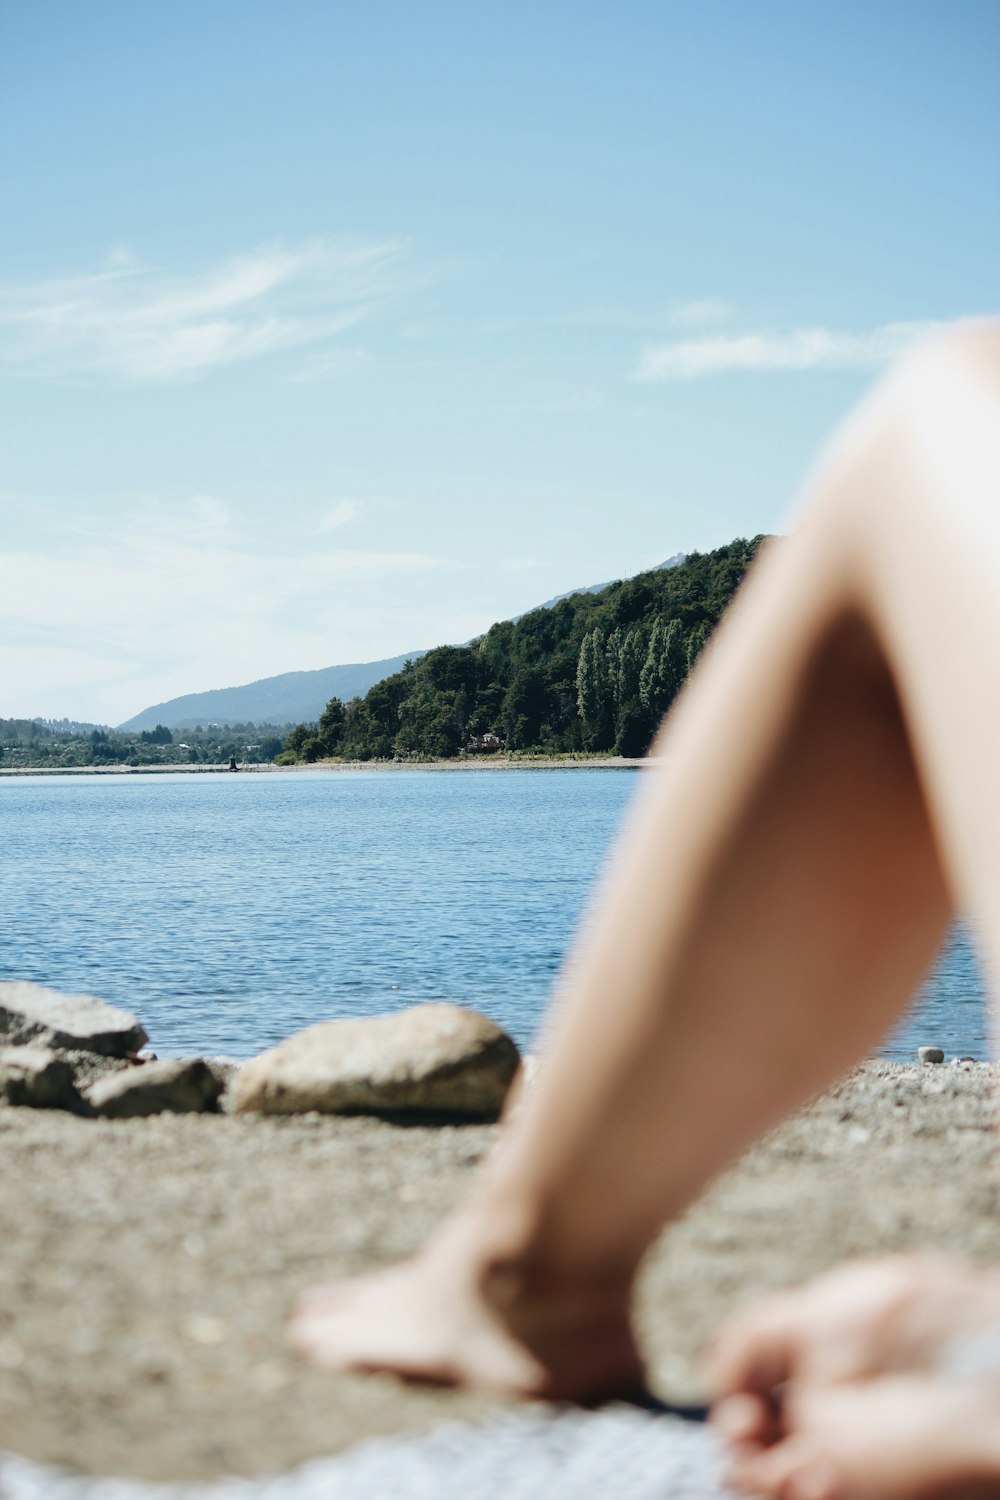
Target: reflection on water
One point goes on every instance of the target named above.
(230, 910)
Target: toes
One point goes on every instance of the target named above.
(303, 1335)
(316, 1297)
(312, 1330)
(330, 1343)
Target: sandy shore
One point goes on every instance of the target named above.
(185, 770)
(474, 763)
(148, 1266)
(490, 763)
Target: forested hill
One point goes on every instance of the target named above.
(595, 671)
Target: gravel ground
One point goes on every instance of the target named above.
(147, 1266)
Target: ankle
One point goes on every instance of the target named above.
(516, 1257)
(568, 1314)
(990, 1432)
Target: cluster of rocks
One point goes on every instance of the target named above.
(78, 1053)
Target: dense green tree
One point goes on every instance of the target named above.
(298, 737)
(632, 726)
(487, 716)
(663, 669)
(694, 644)
(632, 734)
(593, 670)
(430, 723)
(64, 744)
(628, 668)
(526, 708)
(596, 673)
(332, 723)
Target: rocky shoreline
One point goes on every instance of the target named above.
(79, 1054)
(150, 1261)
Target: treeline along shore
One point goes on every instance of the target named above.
(66, 745)
(475, 764)
(593, 672)
(589, 675)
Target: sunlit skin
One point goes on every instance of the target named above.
(850, 1386)
(827, 798)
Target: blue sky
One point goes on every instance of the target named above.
(331, 330)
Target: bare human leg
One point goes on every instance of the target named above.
(781, 886)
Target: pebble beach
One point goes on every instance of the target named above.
(149, 1264)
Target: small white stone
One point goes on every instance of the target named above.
(11, 1354)
(269, 1376)
(206, 1330)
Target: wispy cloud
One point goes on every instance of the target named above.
(185, 597)
(331, 366)
(700, 313)
(120, 257)
(339, 515)
(801, 349)
(142, 323)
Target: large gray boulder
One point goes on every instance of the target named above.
(438, 1059)
(71, 1023)
(36, 1077)
(182, 1086)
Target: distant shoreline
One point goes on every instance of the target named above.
(483, 763)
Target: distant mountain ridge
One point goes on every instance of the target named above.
(289, 698)
(300, 697)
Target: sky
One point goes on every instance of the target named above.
(332, 329)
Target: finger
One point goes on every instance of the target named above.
(757, 1351)
(789, 1471)
(746, 1421)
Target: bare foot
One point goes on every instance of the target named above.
(450, 1316)
(896, 1315)
(913, 1437)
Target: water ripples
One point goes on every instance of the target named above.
(229, 911)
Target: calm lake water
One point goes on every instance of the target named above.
(228, 911)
